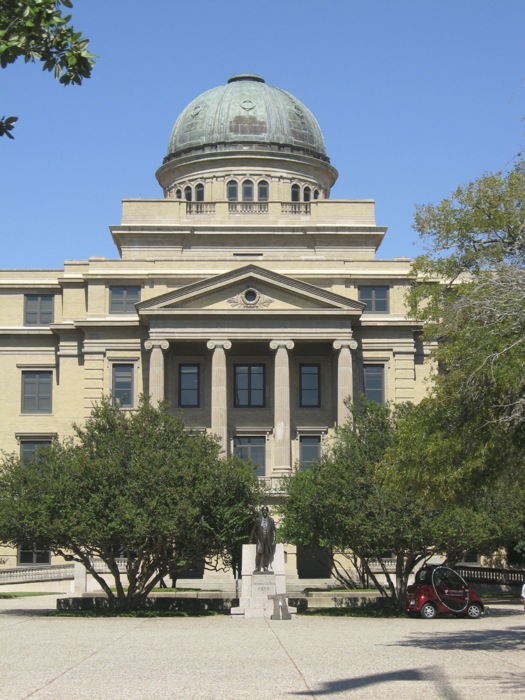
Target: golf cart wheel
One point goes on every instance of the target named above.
(474, 611)
(428, 611)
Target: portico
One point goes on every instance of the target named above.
(268, 354)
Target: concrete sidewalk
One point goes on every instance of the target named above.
(220, 658)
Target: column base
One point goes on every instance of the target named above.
(280, 472)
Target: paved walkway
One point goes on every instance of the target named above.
(219, 658)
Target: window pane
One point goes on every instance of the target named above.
(249, 389)
(309, 450)
(199, 193)
(252, 449)
(122, 299)
(42, 556)
(232, 191)
(309, 385)
(187, 193)
(25, 556)
(31, 557)
(307, 194)
(381, 299)
(123, 385)
(375, 298)
(247, 191)
(28, 448)
(189, 385)
(295, 193)
(374, 382)
(36, 392)
(38, 309)
(263, 191)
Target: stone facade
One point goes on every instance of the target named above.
(246, 296)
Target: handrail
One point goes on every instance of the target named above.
(53, 572)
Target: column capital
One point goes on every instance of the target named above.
(212, 344)
(153, 343)
(276, 344)
(350, 343)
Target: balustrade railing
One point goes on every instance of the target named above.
(26, 574)
(484, 574)
(200, 207)
(389, 564)
(247, 207)
(271, 485)
(55, 572)
(295, 208)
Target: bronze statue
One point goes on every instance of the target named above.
(264, 529)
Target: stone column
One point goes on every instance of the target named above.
(156, 369)
(345, 377)
(219, 392)
(79, 578)
(283, 453)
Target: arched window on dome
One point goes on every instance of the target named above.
(199, 192)
(247, 191)
(307, 194)
(263, 191)
(296, 193)
(232, 191)
(187, 193)
(178, 193)
(316, 194)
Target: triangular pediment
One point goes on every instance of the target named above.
(250, 288)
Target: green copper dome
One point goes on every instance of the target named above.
(246, 111)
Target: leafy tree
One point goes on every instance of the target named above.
(475, 315)
(38, 31)
(349, 504)
(341, 503)
(136, 485)
(479, 226)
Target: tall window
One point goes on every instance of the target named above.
(249, 388)
(122, 299)
(247, 191)
(309, 450)
(38, 309)
(263, 191)
(189, 381)
(310, 385)
(199, 192)
(296, 193)
(375, 298)
(232, 191)
(178, 193)
(122, 385)
(37, 392)
(307, 194)
(252, 449)
(374, 382)
(187, 193)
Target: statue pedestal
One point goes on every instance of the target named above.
(263, 593)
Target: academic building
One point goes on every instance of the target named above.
(244, 295)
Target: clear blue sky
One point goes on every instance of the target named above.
(413, 96)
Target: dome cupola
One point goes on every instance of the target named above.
(246, 111)
(246, 126)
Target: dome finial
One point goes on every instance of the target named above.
(246, 76)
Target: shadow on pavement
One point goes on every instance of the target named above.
(36, 612)
(512, 638)
(430, 674)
